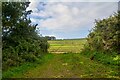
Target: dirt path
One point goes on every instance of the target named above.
(70, 66)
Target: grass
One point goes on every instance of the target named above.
(110, 60)
(69, 66)
(15, 72)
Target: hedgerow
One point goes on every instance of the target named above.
(21, 43)
(103, 41)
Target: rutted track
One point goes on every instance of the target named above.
(70, 66)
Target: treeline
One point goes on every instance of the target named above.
(20, 41)
(103, 41)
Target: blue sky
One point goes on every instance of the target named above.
(69, 18)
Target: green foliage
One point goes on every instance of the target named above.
(103, 42)
(105, 35)
(30, 57)
(107, 59)
(21, 43)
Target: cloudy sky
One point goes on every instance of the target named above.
(69, 18)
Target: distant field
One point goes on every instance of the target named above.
(63, 46)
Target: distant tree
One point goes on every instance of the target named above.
(50, 37)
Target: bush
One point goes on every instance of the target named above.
(103, 41)
(21, 43)
(105, 35)
(30, 58)
(105, 58)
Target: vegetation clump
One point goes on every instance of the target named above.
(21, 43)
(103, 41)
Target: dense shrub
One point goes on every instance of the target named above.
(105, 36)
(103, 41)
(21, 43)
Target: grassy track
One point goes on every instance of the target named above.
(67, 65)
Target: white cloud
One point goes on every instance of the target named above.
(70, 17)
(64, 17)
(33, 5)
(76, 0)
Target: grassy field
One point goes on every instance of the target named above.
(64, 46)
(67, 65)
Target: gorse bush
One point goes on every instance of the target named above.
(21, 43)
(103, 41)
(105, 35)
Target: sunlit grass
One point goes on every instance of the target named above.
(70, 66)
(74, 46)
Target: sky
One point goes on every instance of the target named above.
(68, 19)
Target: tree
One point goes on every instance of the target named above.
(20, 40)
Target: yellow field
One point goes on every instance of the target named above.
(64, 46)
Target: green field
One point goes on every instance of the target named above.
(64, 46)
